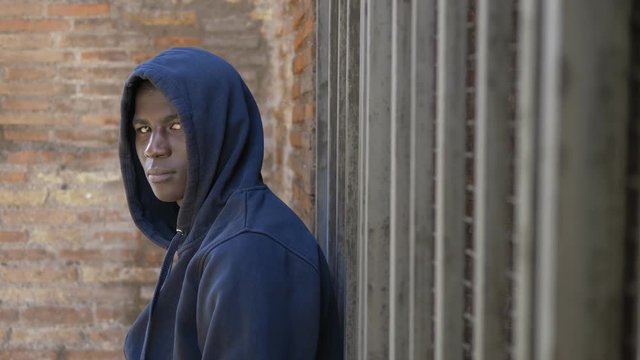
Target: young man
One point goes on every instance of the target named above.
(249, 281)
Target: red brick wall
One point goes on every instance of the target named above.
(290, 128)
(74, 271)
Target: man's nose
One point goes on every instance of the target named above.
(158, 146)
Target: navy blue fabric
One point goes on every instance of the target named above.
(250, 281)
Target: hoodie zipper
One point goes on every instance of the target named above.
(164, 272)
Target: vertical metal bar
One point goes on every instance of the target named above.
(363, 269)
(450, 182)
(633, 226)
(421, 221)
(633, 187)
(322, 118)
(400, 180)
(492, 167)
(350, 206)
(377, 151)
(332, 137)
(525, 220)
(340, 144)
(582, 162)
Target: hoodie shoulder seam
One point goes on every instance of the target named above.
(251, 231)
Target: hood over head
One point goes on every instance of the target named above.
(224, 141)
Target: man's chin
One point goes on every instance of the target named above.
(164, 197)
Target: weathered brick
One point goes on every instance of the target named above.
(151, 257)
(101, 119)
(40, 216)
(104, 55)
(298, 139)
(26, 135)
(95, 25)
(107, 338)
(71, 354)
(58, 238)
(295, 90)
(298, 113)
(29, 157)
(22, 197)
(102, 216)
(169, 41)
(14, 104)
(247, 58)
(27, 353)
(118, 274)
(84, 40)
(8, 236)
(233, 42)
(163, 18)
(99, 136)
(300, 162)
(29, 73)
(17, 10)
(116, 235)
(94, 177)
(146, 293)
(8, 316)
(25, 41)
(80, 198)
(110, 314)
(23, 254)
(114, 295)
(56, 315)
(302, 199)
(307, 84)
(13, 176)
(298, 16)
(101, 89)
(34, 119)
(304, 33)
(98, 256)
(141, 56)
(45, 25)
(231, 24)
(262, 14)
(34, 56)
(310, 111)
(47, 336)
(93, 158)
(302, 60)
(83, 105)
(99, 72)
(35, 89)
(84, 10)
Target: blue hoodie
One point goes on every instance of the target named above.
(250, 281)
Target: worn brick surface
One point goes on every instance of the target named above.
(290, 124)
(74, 271)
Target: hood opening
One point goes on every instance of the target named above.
(224, 138)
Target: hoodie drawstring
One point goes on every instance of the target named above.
(164, 271)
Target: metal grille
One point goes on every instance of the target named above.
(467, 182)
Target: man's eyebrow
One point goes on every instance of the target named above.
(165, 120)
(170, 118)
(139, 121)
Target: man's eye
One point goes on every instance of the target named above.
(176, 126)
(143, 129)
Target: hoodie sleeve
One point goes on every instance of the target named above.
(258, 300)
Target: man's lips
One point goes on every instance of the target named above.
(156, 175)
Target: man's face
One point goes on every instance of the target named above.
(161, 145)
